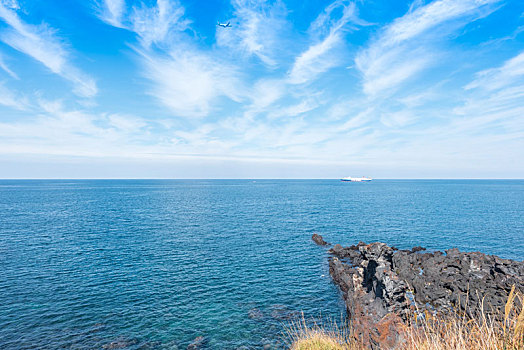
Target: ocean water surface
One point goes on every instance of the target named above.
(153, 264)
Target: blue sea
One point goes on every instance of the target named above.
(153, 264)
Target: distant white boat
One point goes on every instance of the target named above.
(356, 179)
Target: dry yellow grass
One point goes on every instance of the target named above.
(457, 332)
(318, 337)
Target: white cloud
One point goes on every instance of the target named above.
(154, 24)
(258, 27)
(266, 92)
(419, 98)
(407, 46)
(496, 78)
(41, 43)
(112, 11)
(315, 60)
(126, 123)
(484, 129)
(343, 110)
(495, 98)
(57, 130)
(429, 16)
(4, 66)
(319, 57)
(294, 110)
(397, 119)
(327, 23)
(258, 111)
(12, 4)
(185, 79)
(485, 111)
(393, 67)
(188, 82)
(10, 99)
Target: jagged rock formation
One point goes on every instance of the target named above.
(384, 286)
(318, 239)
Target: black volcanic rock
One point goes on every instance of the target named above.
(382, 286)
(318, 239)
(417, 249)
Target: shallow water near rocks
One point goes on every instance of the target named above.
(154, 264)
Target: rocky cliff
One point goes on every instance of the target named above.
(383, 286)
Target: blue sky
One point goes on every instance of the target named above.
(294, 89)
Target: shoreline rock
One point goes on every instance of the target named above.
(318, 239)
(383, 286)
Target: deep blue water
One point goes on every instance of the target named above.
(154, 264)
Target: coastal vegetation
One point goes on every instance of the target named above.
(424, 331)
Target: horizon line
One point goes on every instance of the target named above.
(247, 178)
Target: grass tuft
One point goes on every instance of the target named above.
(452, 332)
(319, 337)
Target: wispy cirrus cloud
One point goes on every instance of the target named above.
(41, 43)
(55, 129)
(154, 23)
(397, 119)
(281, 115)
(10, 99)
(266, 92)
(189, 82)
(6, 68)
(268, 88)
(494, 99)
(408, 45)
(259, 30)
(294, 110)
(326, 47)
(485, 122)
(327, 33)
(112, 12)
(495, 78)
(183, 78)
(350, 120)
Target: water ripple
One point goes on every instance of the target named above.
(154, 264)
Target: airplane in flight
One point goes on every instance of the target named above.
(225, 25)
